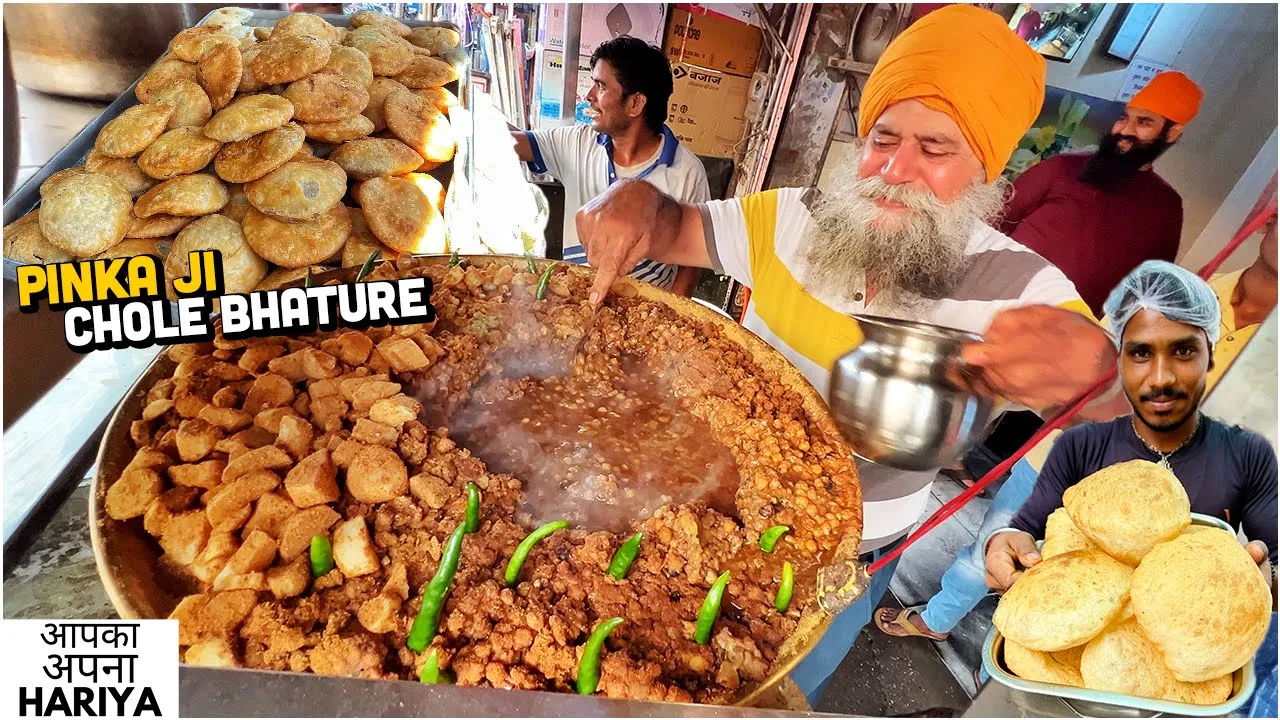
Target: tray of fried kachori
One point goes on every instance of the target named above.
(1136, 604)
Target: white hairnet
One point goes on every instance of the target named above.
(1177, 294)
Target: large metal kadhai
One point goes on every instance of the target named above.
(127, 556)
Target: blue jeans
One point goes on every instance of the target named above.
(814, 673)
(965, 583)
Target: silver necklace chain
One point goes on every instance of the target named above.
(1164, 456)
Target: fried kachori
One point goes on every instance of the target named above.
(298, 244)
(362, 242)
(247, 160)
(375, 19)
(1129, 507)
(379, 90)
(164, 73)
(156, 226)
(435, 39)
(133, 130)
(339, 131)
(287, 59)
(247, 116)
(190, 103)
(180, 151)
(1063, 601)
(367, 158)
(242, 268)
(219, 72)
(130, 247)
(401, 215)
(351, 64)
(24, 242)
(326, 98)
(1201, 599)
(86, 214)
(427, 72)
(387, 55)
(420, 126)
(123, 170)
(299, 190)
(305, 24)
(186, 195)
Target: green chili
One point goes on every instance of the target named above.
(431, 673)
(367, 267)
(783, 600)
(589, 666)
(769, 538)
(454, 260)
(625, 556)
(543, 280)
(310, 281)
(533, 266)
(321, 555)
(710, 611)
(522, 552)
(473, 508)
(428, 619)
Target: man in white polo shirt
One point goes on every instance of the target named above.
(628, 138)
(904, 233)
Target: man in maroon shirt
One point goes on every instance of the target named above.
(1098, 216)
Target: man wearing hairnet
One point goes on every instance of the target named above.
(1166, 322)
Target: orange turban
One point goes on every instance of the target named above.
(1171, 94)
(966, 62)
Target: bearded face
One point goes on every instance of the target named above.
(1112, 165)
(907, 242)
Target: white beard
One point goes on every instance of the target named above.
(914, 253)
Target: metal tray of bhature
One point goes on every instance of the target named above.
(1100, 703)
(126, 556)
(27, 197)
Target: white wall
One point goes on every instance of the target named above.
(1230, 51)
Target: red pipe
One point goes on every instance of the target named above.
(1057, 421)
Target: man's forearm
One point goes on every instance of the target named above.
(677, 234)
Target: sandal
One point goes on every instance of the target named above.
(897, 623)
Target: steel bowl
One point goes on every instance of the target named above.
(903, 398)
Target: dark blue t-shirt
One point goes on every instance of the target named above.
(1228, 472)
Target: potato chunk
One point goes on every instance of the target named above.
(353, 550)
(395, 411)
(184, 536)
(257, 553)
(214, 652)
(217, 551)
(290, 580)
(374, 433)
(267, 457)
(377, 474)
(131, 494)
(270, 390)
(269, 513)
(295, 435)
(403, 354)
(196, 438)
(226, 418)
(296, 532)
(313, 481)
(205, 475)
(351, 348)
(230, 507)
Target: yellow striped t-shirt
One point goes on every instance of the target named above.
(760, 241)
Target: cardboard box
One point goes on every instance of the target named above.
(549, 87)
(602, 22)
(713, 42)
(708, 109)
(739, 12)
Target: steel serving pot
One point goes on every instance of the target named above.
(902, 399)
(126, 556)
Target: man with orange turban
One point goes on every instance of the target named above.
(1099, 215)
(903, 234)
